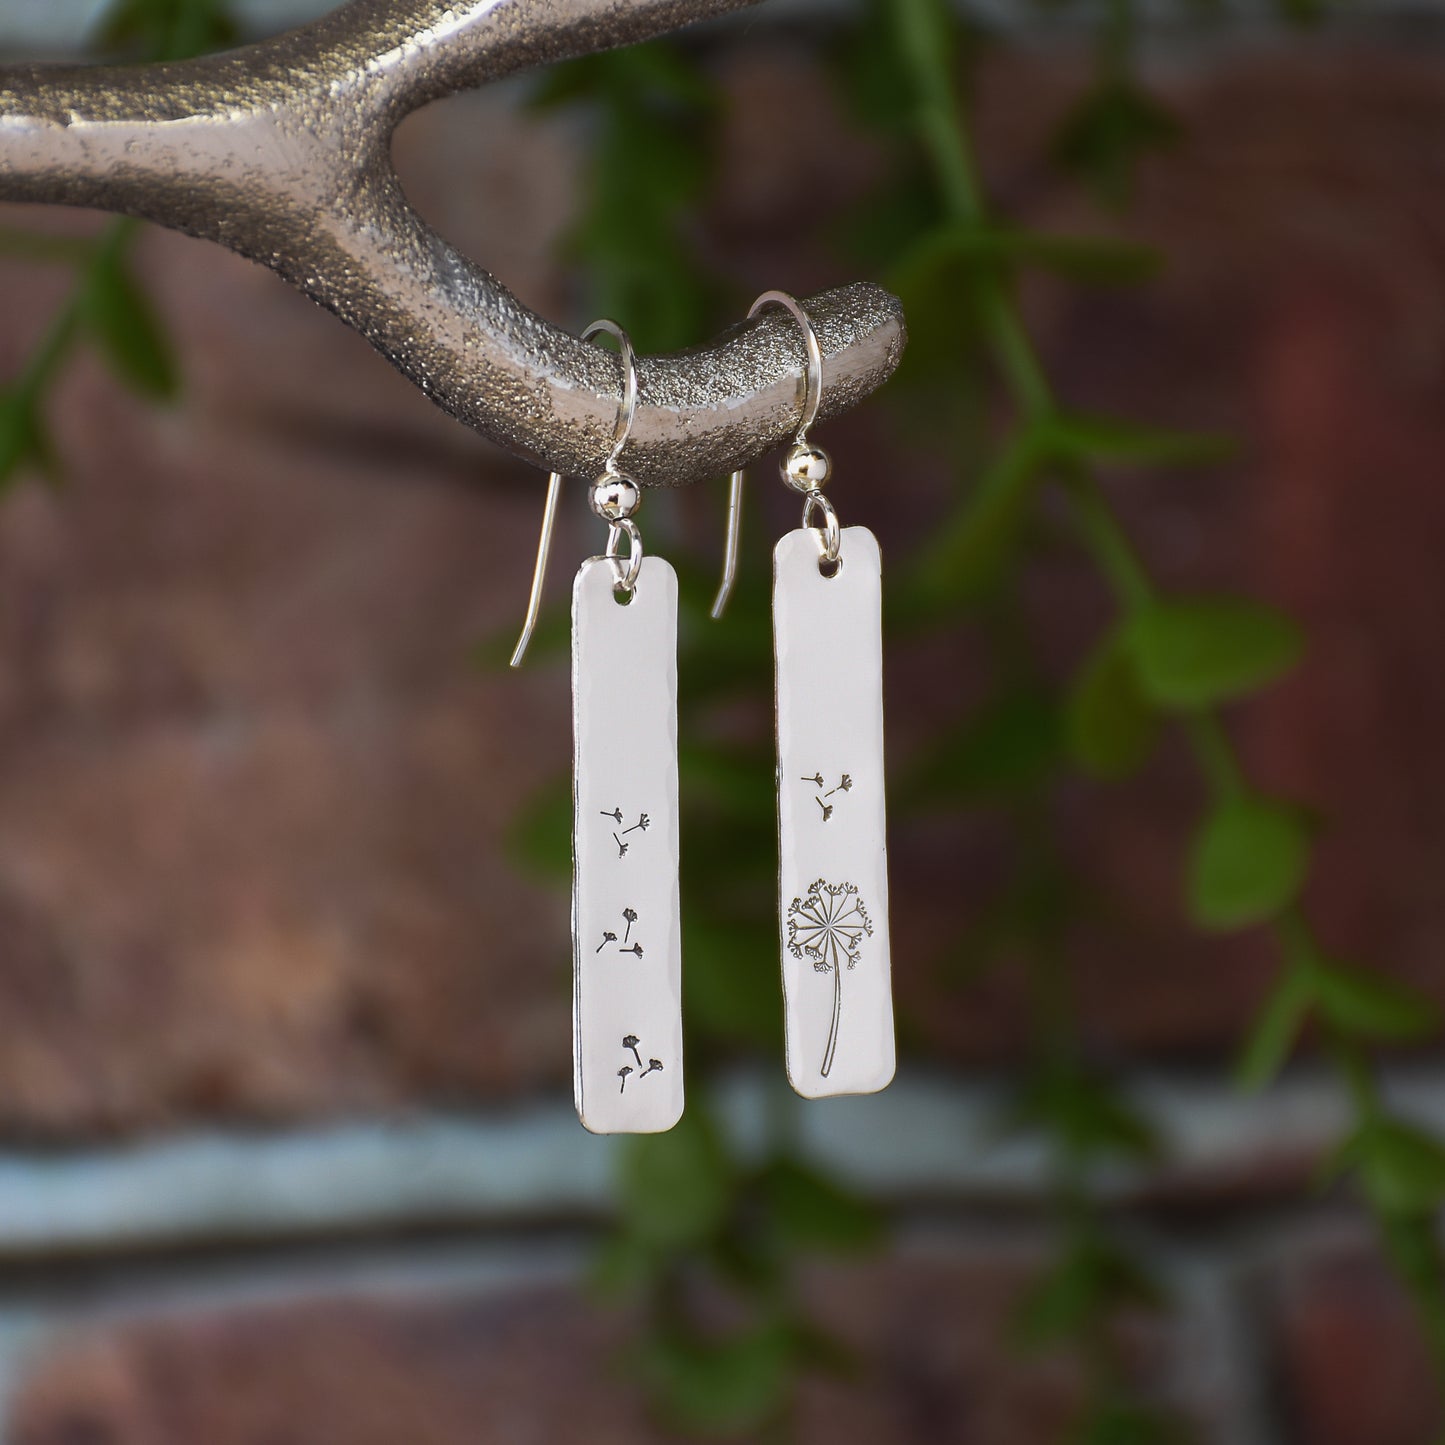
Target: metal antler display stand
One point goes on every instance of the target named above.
(281, 151)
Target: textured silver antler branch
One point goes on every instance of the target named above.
(281, 151)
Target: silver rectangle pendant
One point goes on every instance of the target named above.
(626, 927)
(832, 846)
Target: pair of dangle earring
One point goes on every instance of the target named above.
(626, 925)
(832, 833)
(832, 854)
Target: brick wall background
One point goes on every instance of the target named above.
(285, 1147)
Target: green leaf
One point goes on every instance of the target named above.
(1112, 727)
(22, 438)
(876, 89)
(1365, 1004)
(1413, 1243)
(128, 332)
(818, 1350)
(1304, 12)
(1087, 438)
(731, 1385)
(1108, 132)
(1273, 1036)
(981, 537)
(1007, 747)
(1248, 863)
(730, 984)
(1401, 1168)
(676, 1187)
(938, 286)
(164, 29)
(1102, 260)
(1090, 1281)
(813, 1212)
(885, 224)
(624, 1266)
(1194, 653)
(1087, 1115)
(1081, 258)
(1122, 1422)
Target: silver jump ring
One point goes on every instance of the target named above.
(832, 532)
(626, 575)
(813, 392)
(628, 410)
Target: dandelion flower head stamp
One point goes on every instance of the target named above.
(827, 925)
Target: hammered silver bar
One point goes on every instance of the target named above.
(832, 843)
(626, 928)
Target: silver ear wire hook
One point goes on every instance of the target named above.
(812, 399)
(625, 414)
(539, 569)
(730, 547)
(628, 410)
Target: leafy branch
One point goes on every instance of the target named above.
(1180, 658)
(106, 306)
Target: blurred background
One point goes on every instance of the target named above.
(287, 1149)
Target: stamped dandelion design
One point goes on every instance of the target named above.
(823, 792)
(827, 925)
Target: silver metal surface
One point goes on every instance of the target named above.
(625, 577)
(281, 151)
(613, 497)
(539, 568)
(806, 468)
(626, 929)
(627, 410)
(832, 849)
(731, 544)
(813, 377)
(802, 461)
(832, 534)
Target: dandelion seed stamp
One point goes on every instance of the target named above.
(626, 923)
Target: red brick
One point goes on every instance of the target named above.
(252, 794)
(1353, 1367)
(927, 1335)
(254, 789)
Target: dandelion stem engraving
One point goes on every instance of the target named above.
(621, 846)
(615, 814)
(827, 925)
(630, 914)
(622, 1074)
(631, 1042)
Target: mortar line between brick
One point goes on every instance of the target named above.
(933, 1139)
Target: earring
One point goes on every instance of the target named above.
(832, 849)
(626, 930)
